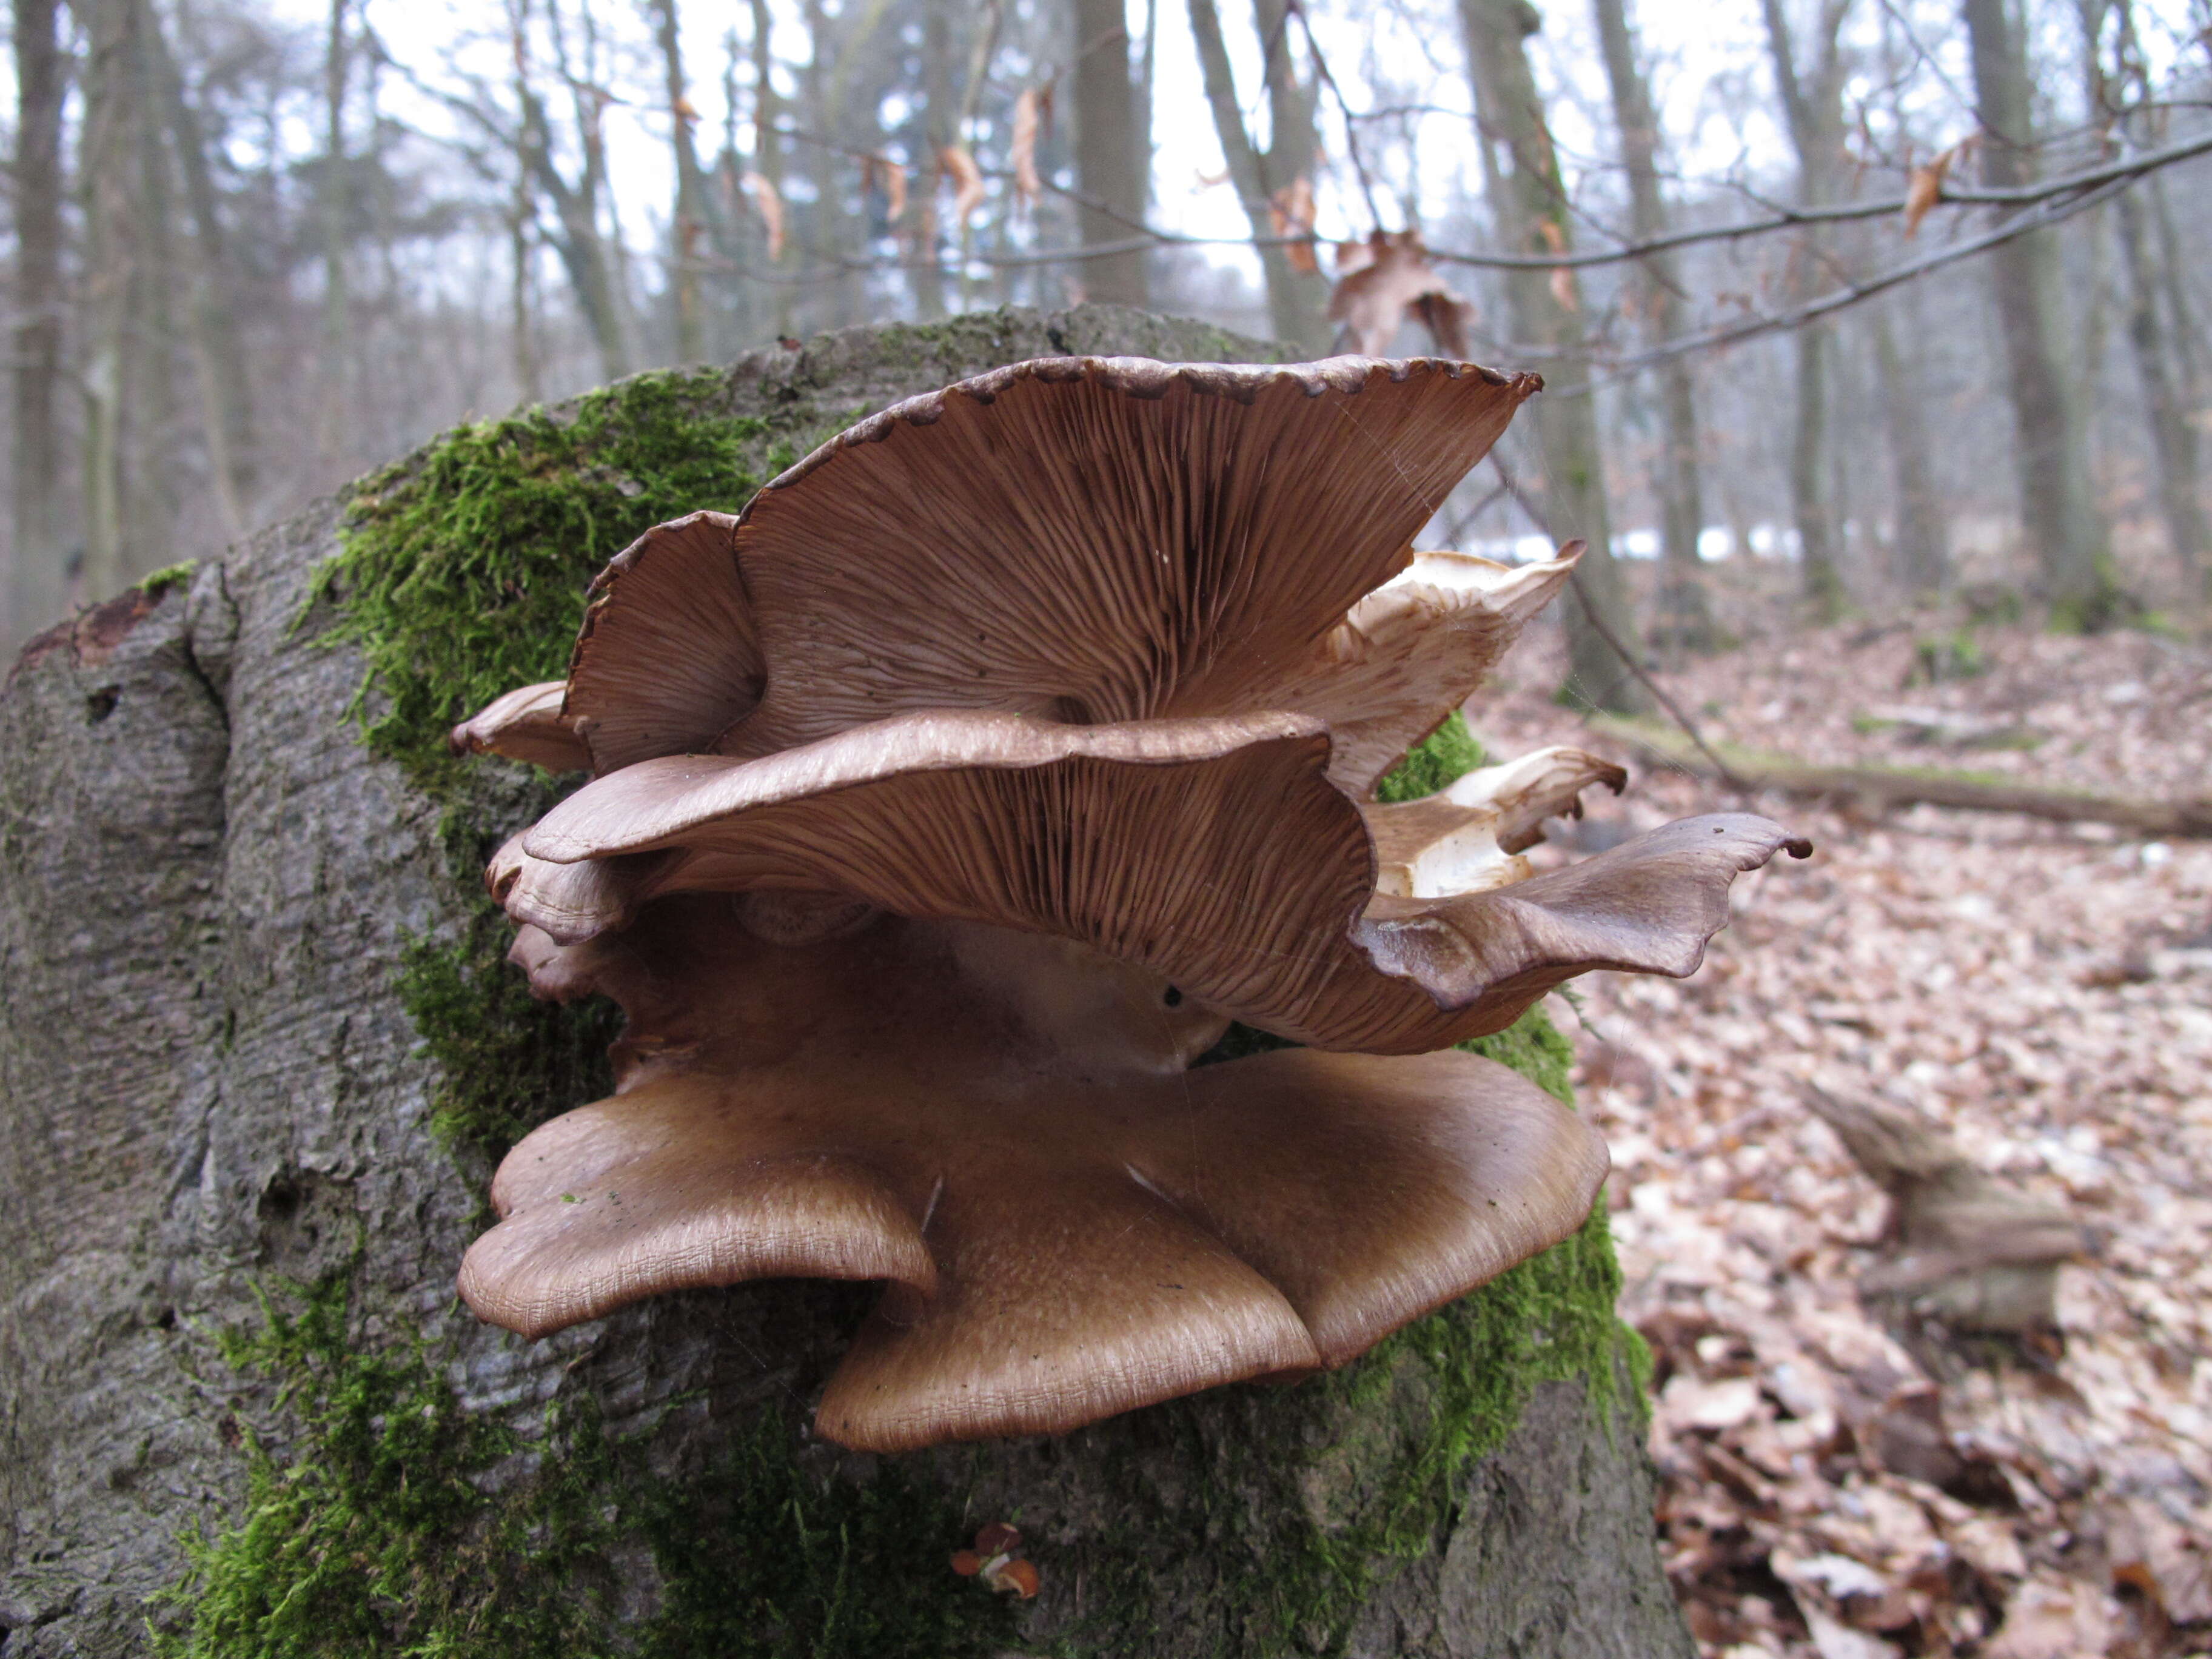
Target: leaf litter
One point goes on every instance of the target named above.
(1850, 1469)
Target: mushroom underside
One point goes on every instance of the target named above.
(1214, 851)
(1056, 1249)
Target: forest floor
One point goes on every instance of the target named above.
(1847, 1471)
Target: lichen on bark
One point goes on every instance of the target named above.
(387, 1513)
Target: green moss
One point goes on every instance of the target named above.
(1446, 754)
(462, 569)
(161, 581)
(461, 575)
(396, 1522)
(369, 1530)
(763, 1559)
(505, 1061)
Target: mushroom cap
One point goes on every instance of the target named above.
(525, 725)
(667, 656)
(1094, 539)
(1064, 1234)
(953, 798)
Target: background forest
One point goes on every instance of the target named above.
(1879, 377)
(256, 247)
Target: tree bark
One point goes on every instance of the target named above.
(211, 1082)
(37, 587)
(1528, 203)
(1111, 155)
(1685, 618)
(2059, 516)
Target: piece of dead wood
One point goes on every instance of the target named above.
(1898, 786)
(1961, 1245)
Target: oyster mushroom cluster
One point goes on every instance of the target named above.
(951, 800)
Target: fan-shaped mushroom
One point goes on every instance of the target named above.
(955, 797)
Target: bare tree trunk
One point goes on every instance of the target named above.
(687, 217)
(1924, 558)
(1812, 105)
(37, 587)
(831, 233)
(1528, 203)
(767, 141)
(112, 253)
(939, 130)
(2166, 404)
(226, 386)
(1110, 158)
(2058, 510)
(336, 323)
(1296, 303)
(1685, 613)
(583, 251)
(2173, 439)
(152, 474)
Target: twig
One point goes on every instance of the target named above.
(1350, 133)
(1894, 786)
(1604, 630)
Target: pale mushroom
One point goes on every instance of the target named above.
(955, 798)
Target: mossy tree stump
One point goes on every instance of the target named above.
(258, 1052)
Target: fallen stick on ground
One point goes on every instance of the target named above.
(1900, 786)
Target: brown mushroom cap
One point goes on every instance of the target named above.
(1215, 852)
(1096, 539)
(951, 802)
(524, 725)
(667, 655)
(1064, 1238)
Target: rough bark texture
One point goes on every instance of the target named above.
(212, 1088)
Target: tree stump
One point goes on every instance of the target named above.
(258, 1052)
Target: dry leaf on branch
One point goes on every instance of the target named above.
(1290, 212)
(1029, 113)
(966, 181)
(768, 201)
(1388, 280)
(881, 173)
(1926, 189)
(1562, 283)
